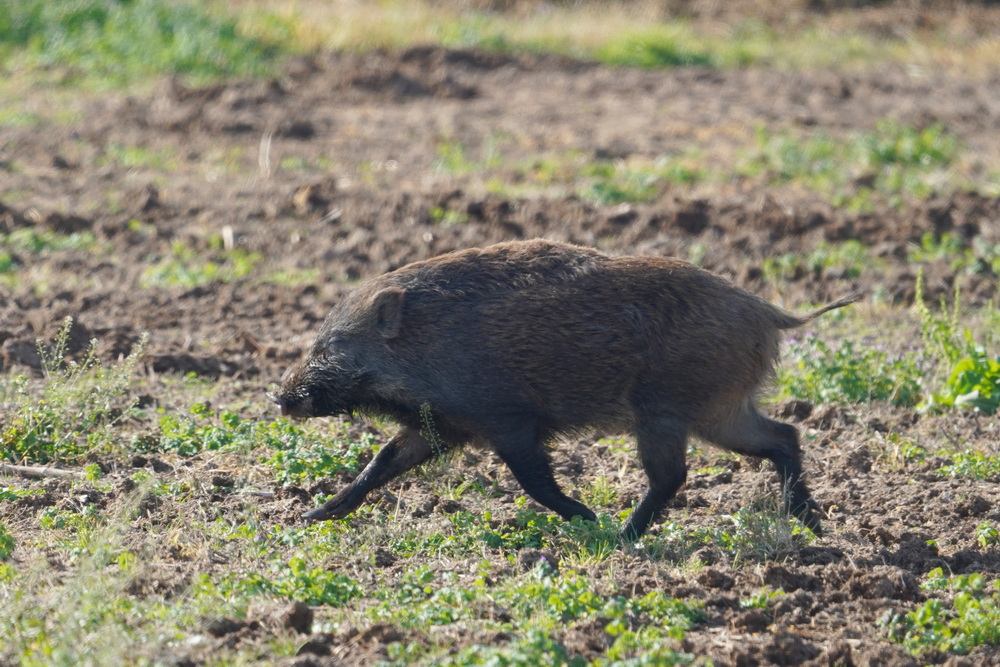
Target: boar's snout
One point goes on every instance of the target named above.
(292, 405)
(277, 400)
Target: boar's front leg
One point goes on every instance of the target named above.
(522, 448)
(662, 449)
(404, 451)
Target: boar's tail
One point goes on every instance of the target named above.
(789, 321)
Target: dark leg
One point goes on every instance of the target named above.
(661, 444)
(406, 450)
(522, 449)
(746, 431)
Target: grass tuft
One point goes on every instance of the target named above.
(119, 41)
(80, 404)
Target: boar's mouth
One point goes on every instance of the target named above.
(318, 389)
(297, 407)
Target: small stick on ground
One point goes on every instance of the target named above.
(33, 471)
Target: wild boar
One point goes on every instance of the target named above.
(511, 345)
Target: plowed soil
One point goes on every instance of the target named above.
(333, 168)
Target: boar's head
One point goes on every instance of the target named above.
(340, 372)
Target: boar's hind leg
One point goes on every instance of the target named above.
(661, 444)
(746, 431)
(521, 448)
(406, 450)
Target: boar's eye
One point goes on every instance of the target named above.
(332, 346)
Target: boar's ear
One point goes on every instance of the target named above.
(387, 306)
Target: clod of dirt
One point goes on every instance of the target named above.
(827, 416)
(317, 645)
(794, 409)
(223, 481)
(859, 459)
(10, 219)
(63, 223)
(297, 616)
(885, 583)
(751, 620)
(222, 626)
(692, 216)
(383, 557)
(713, 578)
(449, 506)
(974, 505)
(142, 200)
(837, 653)
(380, 634)
(778, 576)
(916, 555)
(527, 559)
(20, 353)
(886, 655)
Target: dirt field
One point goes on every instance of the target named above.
(340, 170)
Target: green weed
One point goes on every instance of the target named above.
(294, 276)
(81, 614)
(535, 647)
(37, 240)
(533, 606)
(970, 618)
(528, 530)
(979, 257)
(897, 452)
(476, 31)
(847, 259)
(850, 374)
(295, 580)
(16, 117)
(974, 382)
(653, 48)
(7, 542)
(987, 534)
(971, 463)
(616, 181)
(761, 600)
(601, 492)
(818, 372)
(120, 41)
(7, 263)
(965, 463)
(891, 162)
(80, 404)
(760, 531)
(453, 157)
(973, 379)
(132, 157)
(8, 493)
(297, 455)
(447, 217)
(185, 267)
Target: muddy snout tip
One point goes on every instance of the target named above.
(274, 398)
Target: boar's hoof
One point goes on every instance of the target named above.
(327, 512)
(809, 515)
(318, 514)
(339, 506)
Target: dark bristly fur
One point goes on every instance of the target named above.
(515, 343)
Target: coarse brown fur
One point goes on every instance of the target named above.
(515, 343)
